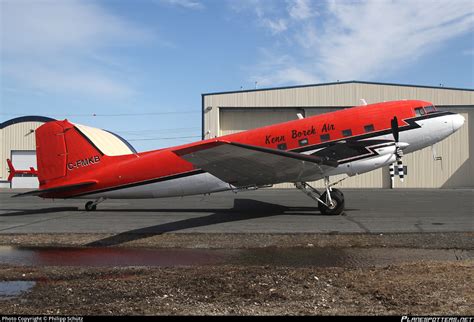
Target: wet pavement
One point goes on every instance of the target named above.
(273, 256)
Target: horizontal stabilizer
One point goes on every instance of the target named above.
(247, 165)
(57, 189)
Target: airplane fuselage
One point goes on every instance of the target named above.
(162, 173)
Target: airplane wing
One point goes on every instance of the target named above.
(57, 189)
(345, 151)
(245, 165)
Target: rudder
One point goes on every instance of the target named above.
(63, 152)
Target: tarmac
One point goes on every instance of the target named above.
(275, 211)
(393, 252)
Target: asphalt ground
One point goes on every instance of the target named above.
(284, 211)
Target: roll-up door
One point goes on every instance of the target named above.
(23, 160)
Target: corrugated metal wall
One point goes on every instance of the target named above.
(334, 95)
(17, 136)
(233, 112)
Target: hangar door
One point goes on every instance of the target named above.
(23, 160)
(233, 120)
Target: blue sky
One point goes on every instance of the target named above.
(140, 66)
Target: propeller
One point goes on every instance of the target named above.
(395, 130)
(398, 151)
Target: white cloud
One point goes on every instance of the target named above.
(360, 40)
(53, 45)
(267, 13)
(60, 80)
(363, 43)
(188, 4)
(280, 69)
(300, 9)
(275, 26)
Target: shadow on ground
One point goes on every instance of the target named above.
(243, 209)
(22, 212)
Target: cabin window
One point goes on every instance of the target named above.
(369, 128)
(282, 146)
(347, 132)
(303, 142)
(324, 137)
(430, 109)
(419, 111)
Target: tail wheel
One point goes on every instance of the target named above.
(90, 206)
(337, 206)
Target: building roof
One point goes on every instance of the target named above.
(21, 119)
(337, 83)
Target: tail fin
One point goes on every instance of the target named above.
(62, 151)
(71, 151)
(11, 169)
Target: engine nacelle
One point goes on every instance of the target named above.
(366, 165)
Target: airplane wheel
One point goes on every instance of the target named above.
(337, 198)
(90, 206)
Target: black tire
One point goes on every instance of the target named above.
(90, 206)
(338, 199)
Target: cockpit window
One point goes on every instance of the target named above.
(419, 111)
(430, 109)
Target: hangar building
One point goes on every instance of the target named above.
(234, 111)
(17, 143)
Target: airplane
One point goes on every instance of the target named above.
(14, 172)
(77, 161)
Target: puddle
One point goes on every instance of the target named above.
(349, 257)
(13, 289)
(109, 257)
(290, 257)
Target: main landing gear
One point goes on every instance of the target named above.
(330, 202)
(92, 205)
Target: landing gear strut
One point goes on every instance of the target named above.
(330, 202)
(92, 205)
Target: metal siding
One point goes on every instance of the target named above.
(423, 172)
(237, 120)
(344, 94)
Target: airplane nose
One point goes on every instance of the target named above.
(458, 121)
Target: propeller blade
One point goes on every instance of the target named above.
(395, 128)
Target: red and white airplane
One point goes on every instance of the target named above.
(14, 172)
(76, 161)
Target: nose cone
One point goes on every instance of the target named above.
(458, 121)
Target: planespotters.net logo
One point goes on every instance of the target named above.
(437, 319)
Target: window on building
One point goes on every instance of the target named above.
(369, 128)
(347, 132)
(282, 146)
(303, 142)
(419, 111)
(324, 137)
